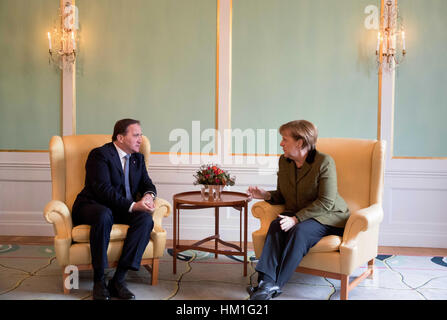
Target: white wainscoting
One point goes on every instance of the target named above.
(415, 206)
(415, 202)
(25, 188)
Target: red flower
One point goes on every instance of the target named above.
(212, 174)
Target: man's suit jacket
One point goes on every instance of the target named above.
(311, 191)
(104, 179)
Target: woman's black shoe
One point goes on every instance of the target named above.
(251, 289)
(265, 291)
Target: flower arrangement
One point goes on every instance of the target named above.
(210, 174)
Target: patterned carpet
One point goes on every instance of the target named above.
(29, 272)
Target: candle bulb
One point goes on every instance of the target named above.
(403, 41)
(73, 40)
(378, 43)
(49, 41)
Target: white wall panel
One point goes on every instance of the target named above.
(414, 202)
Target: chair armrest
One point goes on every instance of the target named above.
(361, 238)
(266, 212)
(361, 221)
(162, 210)
(56, 212)
(158, 235)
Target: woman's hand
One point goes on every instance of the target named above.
(256, 193)
(287, 222)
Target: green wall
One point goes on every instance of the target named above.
(420, 110)
(151, 60)
(304, 59)
(29, 87)
(155, 60)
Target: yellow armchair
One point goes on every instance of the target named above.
(68, 155)
(360, 168)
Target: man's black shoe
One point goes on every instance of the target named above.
(119, 290)
(100, 291)
(265, 291)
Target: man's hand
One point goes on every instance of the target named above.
(287, 222)
(149, 201)
(145, 204)
(256, 192)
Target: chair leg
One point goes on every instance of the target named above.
(344, 287)
(371, 268)
(64, 277)
(155, 263)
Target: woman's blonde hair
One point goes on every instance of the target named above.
(301, 129)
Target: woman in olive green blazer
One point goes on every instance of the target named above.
(307, 186)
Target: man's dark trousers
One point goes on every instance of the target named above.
(101, 219)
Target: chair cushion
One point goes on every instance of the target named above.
(81, 233)
(327, 244)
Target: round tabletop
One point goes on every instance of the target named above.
(228, 198)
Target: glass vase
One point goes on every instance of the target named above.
(205, 192)
(211, 192)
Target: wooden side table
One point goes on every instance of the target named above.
(193, 200)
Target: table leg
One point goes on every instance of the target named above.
(216, 230)
(245, 238)
(174, 245)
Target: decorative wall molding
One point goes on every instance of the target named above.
(413, 202)
(439, 174)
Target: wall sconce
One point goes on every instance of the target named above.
(62, 39)
(389, 32)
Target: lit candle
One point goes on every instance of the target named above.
(403, 41)
(378, 43)
(49, 41)
(73, 40)
(393, 42)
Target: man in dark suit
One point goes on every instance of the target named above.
(115, 177)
